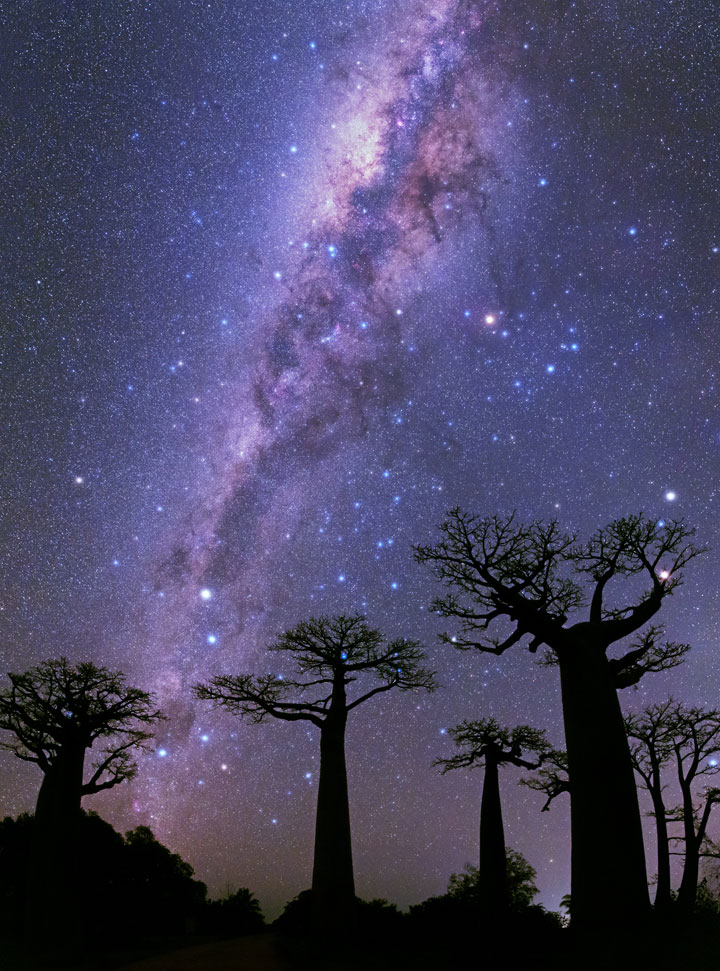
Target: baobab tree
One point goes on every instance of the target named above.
(549, 590)
(330, 653)
(55, 714)
(687, 738)
(651, 749)
(485, 743)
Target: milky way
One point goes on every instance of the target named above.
(285, 284)
(416, 164)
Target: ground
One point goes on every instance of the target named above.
(256, 953)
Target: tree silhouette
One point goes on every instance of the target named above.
(689, 737)
(486, 743)
(56, 712)
(532, 578)
(330, 653)
(650, 749)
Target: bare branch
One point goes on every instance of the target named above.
(552, 777)
(647, 656)
(56, 707)
(487, 739)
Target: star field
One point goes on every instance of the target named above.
(282, 283)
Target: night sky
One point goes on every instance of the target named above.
(281, 282)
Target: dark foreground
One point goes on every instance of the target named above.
(389, 941)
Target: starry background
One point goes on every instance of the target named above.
(281, 283)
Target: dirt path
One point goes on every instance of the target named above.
(255, 953)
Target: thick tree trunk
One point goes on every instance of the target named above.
(333, 883)
(53, 917)
(492, 882)
(608, 876)
(662, 891)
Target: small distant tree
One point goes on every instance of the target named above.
(55, 713)
(688, 738)
(520, 882)
(485, 743)
(330, 654)
(536, 584)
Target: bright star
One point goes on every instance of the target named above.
(211, 639)
(490, 318)
(206, 594)
(671, 496)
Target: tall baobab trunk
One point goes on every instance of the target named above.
(333, 883)
(53, 918)
(608, 876)
(492, 881)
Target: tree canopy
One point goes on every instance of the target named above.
(322, 649)
(536, 576)
(57, 704)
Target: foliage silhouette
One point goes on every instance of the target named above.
(531, 578)
(234, 915)
(129, 889)
(330, 653)
(486, 743)
(454, 929)
(520, 880)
